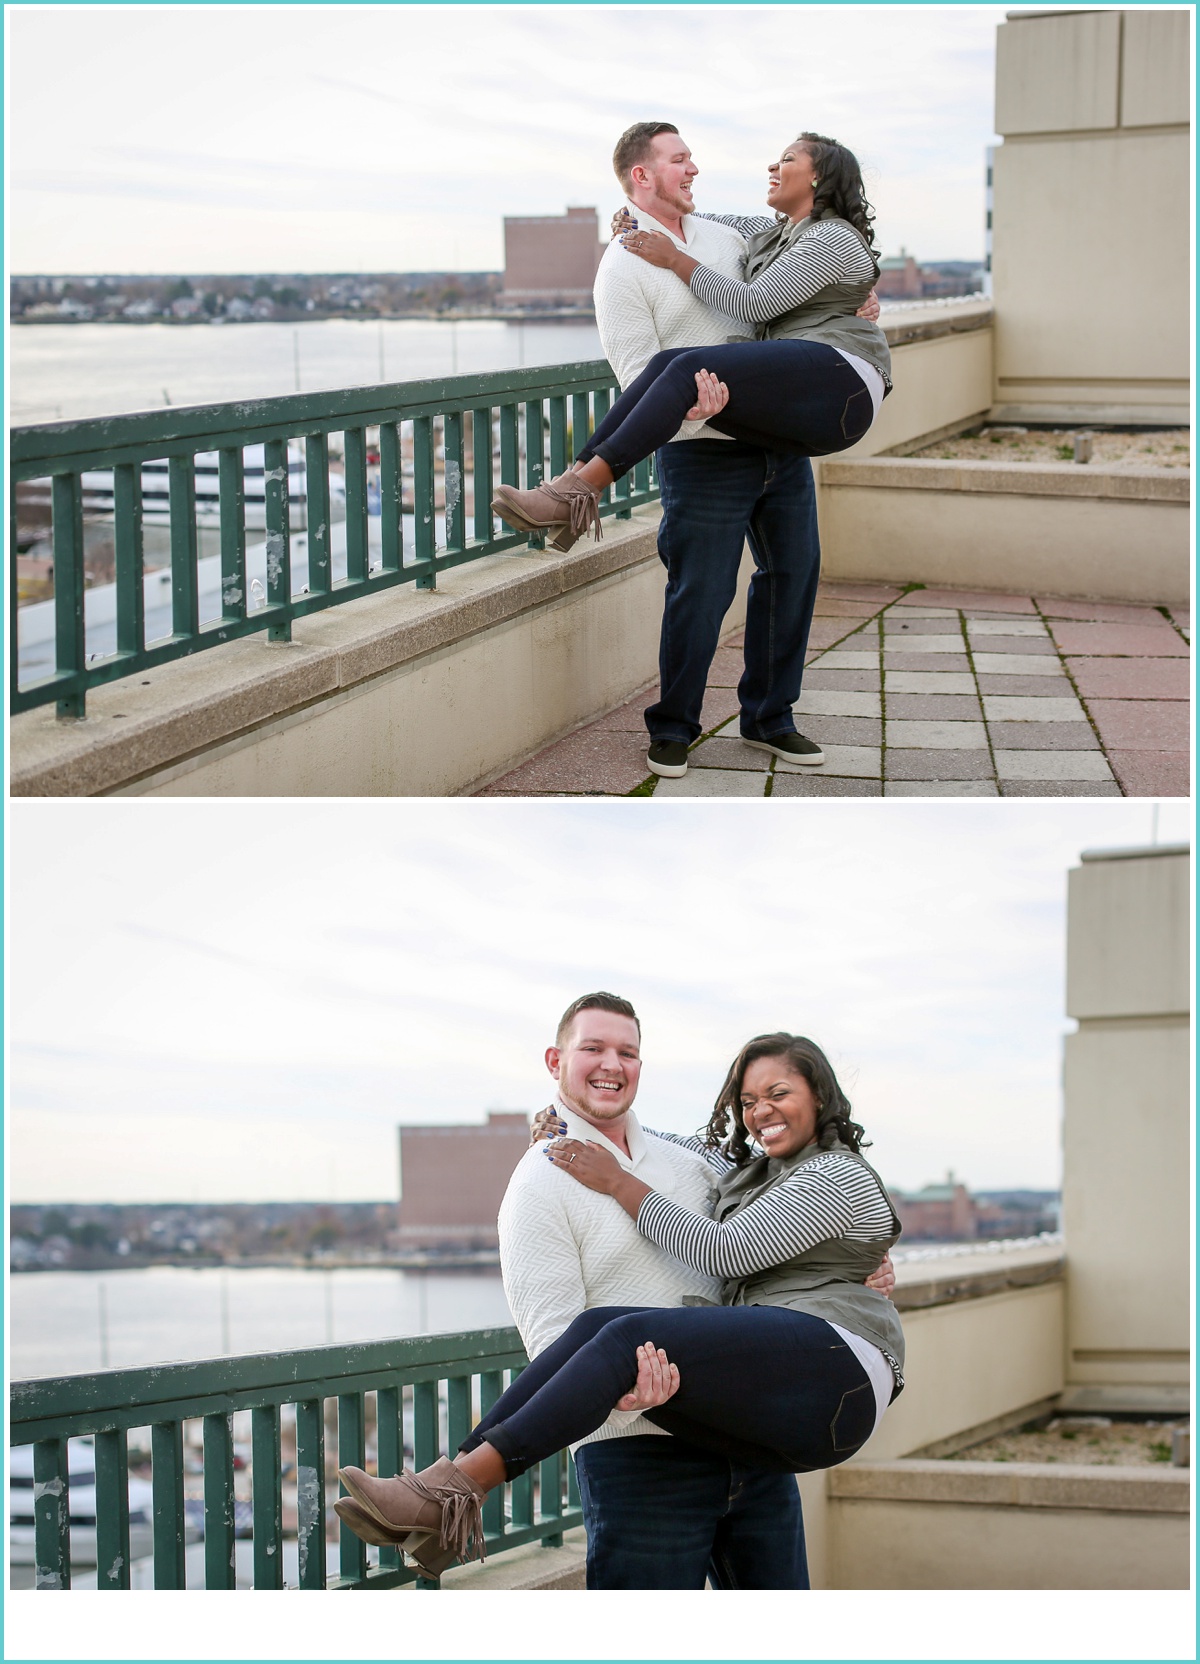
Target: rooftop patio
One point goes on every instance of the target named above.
(927, 692)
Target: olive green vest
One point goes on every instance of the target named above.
(826, 1280)
(829, 315)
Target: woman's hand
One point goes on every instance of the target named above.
(598, 1170)
(883, 1281)
(623, 221)
(547, 1123)
(588, 1163)
(657, 1380)
(711, 396)
(655, 248)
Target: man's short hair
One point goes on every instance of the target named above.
(594, 1002)
(635, 147)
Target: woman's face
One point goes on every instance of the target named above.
(790, 182)
(779, 1108)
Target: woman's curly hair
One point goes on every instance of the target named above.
(839, 187)
(727, 1131)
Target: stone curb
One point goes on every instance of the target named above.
(173, 711)
(1015, 1484)
(1024, 479)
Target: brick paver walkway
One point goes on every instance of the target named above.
(928, 693)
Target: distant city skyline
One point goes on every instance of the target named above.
(214, 1004)
(286, 147)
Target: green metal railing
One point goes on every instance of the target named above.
(437, 1385)
(471, 432)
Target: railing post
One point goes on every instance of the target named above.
(491, 1385)
(127, 538)
(358, 559)
(220, 1536)
(112, 1511)
(310, 1492)
(535, 452)
(391, 498)
(550, 1479)
(316, 514)
(51, 1514)
(69, 628)
(278, 516)
(268, 1497)
(454, 480)
(425, 1441)
(231, 484)
(166, 1451)
(481, 470)
(424, 510)
(185, 597)
(351, 1453)
(388, 1448)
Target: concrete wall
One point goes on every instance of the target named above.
(1091, 240)
(1126, 1208)
(1053, 529)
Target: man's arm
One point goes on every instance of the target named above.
(539, 1261)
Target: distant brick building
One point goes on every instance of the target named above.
(937, 1213)
(551, 259)
(899, 278)
(453, 1179)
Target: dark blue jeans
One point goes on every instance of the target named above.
(715, 494)
(763, 1386)
(661, 1514)
(791, 395)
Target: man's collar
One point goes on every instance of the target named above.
(584, 1130)
(656, 225)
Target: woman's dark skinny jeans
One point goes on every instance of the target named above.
(786, 395)
(764, 1385)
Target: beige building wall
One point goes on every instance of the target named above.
(1091, 240)
(1126, 1158)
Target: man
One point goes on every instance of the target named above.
(716, 492)
(660, 1514)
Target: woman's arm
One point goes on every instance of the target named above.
(822, 1199)
(822, 257)
(749, 225)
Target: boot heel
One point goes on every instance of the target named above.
(564, 540)
(424, 1548)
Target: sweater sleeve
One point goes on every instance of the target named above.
(817, 1202)
(816, 260)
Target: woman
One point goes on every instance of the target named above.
(792, 1372)
(813, 384)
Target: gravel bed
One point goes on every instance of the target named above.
(1090, 1439)
(1170, 449)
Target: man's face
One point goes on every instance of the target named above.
(670, 172)
(598, 1065)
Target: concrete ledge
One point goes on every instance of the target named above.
(1053, 529)
(531, 1567)
(943, 1282)
(904, 325)
(172, 722)
(1016, 1485)
(1024, 479)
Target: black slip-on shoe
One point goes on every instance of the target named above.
(793, 748)
(668, 758)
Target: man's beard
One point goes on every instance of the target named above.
(677, 204)
(589, 1114)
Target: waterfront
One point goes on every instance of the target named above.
(59, 372)
(71, 1322)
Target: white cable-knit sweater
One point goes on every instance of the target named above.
(640, 310)
(565, 1249)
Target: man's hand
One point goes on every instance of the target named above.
(869, 308)
(711, 396)
(657, 1380)
(883, 1281)
(547, 1123)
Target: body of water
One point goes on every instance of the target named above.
(70, 1322)
(59, 372)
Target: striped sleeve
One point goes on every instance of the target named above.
(827, 1197)
(715, 1158)
(829, 253)
(749, 225)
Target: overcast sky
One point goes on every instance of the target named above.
(396, 137)
(217, 1001)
